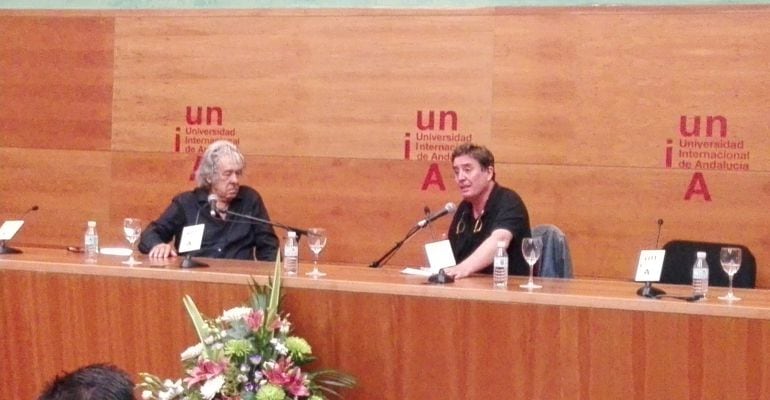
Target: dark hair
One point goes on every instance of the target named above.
(92, 382)
(480, 153)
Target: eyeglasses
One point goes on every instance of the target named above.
(476, 226)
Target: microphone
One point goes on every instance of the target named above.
(426, 210)
(657, 240)
(648, 290)
(33, 208)
(448, 208)
(213, 204)
(20, 222)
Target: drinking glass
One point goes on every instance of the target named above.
(730, 258)
(531, 248)
(132, 228)
(316, 239)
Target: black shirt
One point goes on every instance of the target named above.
(233, 237)
(504, 210)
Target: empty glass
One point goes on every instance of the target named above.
(132, 228)
(531, 248)
(316, 239)
(730, 258)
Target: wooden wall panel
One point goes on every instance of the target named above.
(69, 187)
(614, 83)
(300, 85)
(56, 82)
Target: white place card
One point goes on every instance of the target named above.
(440, 255)
(650, 265)
(9, 229)
(191, 238)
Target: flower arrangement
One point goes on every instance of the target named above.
(247, 353)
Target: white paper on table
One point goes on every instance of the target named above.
(9, 229)
(115, 251)
(417, 271)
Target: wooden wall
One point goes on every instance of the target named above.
(586, 110)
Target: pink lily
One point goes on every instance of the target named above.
(204, 371)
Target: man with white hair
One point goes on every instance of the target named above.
(224, 236)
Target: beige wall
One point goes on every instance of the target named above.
(579, 106)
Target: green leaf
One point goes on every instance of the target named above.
(275, 291)
(201, 328)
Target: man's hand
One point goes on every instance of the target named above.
(162, 250)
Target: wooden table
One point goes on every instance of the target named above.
(402, 338)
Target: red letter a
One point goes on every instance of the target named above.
(433, 177)
(698, 186)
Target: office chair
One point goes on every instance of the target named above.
(680, 256)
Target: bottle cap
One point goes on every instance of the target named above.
(91, 224)
(701, 254)
(501, 243)
(291, 234)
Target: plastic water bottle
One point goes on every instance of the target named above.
(91, 242)
(500, 267)
(291, 254)
(700, 275)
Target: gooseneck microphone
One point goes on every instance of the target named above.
(20, 221)
(648, 290)
(213, 204)
(448, 209)
(256, 220)
(660, 225)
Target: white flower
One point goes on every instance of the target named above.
(192, 352)
(236, 314)
(212, 387)
(279, 347)
(173, 389)
(285, 326)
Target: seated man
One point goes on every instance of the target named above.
(92, 382)
(224, 236)
(488, 213)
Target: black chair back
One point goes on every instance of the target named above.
(681, 254)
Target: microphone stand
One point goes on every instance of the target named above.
(7, 250)
(299, 231)
(188, 262)
(394, 249)
(648, 290)
(11, 250)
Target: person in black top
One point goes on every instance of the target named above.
(224, 235)
(488, 213)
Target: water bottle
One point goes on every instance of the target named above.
(500, 267)
(91, 242)
(700, 275)
(291, 254)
